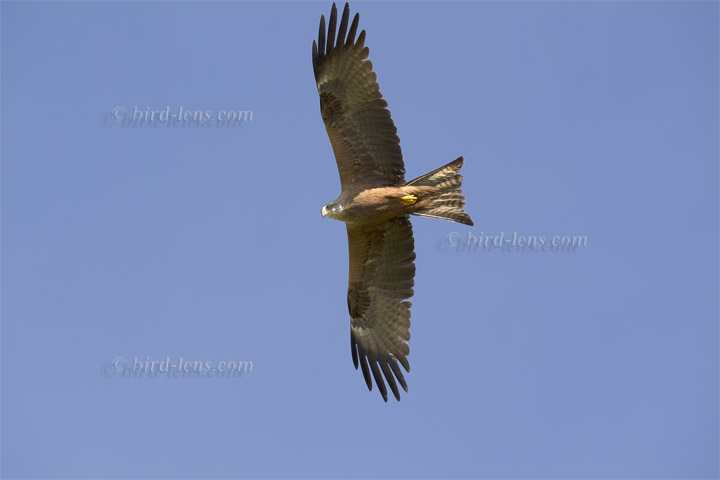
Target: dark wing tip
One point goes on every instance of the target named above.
(390, 370)
(379, 380)
(385, 366)
(361, 40)
(398, 373)
(343, 26)
(331, 29)
(372, 367)
(365, 371)
(353, 349)
(321, 38)
(406, 365)
(315, 59)
(353, 30)
(331, 38)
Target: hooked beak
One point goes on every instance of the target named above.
(323, 212)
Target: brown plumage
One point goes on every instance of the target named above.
(375, 202)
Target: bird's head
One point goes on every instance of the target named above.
(331, 210)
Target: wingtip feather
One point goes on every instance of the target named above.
(353, 30)
(361, 40)
(379, 380)
(343, 26)
(331, 28)
(390, 379)
(366, 372)
(321, 37)
(354, 350)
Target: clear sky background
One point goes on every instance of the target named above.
(575, 118)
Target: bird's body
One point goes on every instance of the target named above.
(376, 205)
(376, 202)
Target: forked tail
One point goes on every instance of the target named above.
(449, 201)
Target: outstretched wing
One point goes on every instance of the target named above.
(381, 281)
(356, 117)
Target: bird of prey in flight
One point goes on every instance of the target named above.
(376, 202)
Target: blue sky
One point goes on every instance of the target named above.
(597, 119)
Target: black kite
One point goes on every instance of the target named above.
(376, 201)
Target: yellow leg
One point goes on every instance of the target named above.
(408, 200)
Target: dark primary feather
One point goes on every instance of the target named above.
(321, 36)
(343, 27)
(353, 28)
(361, 130)
(331, 29)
